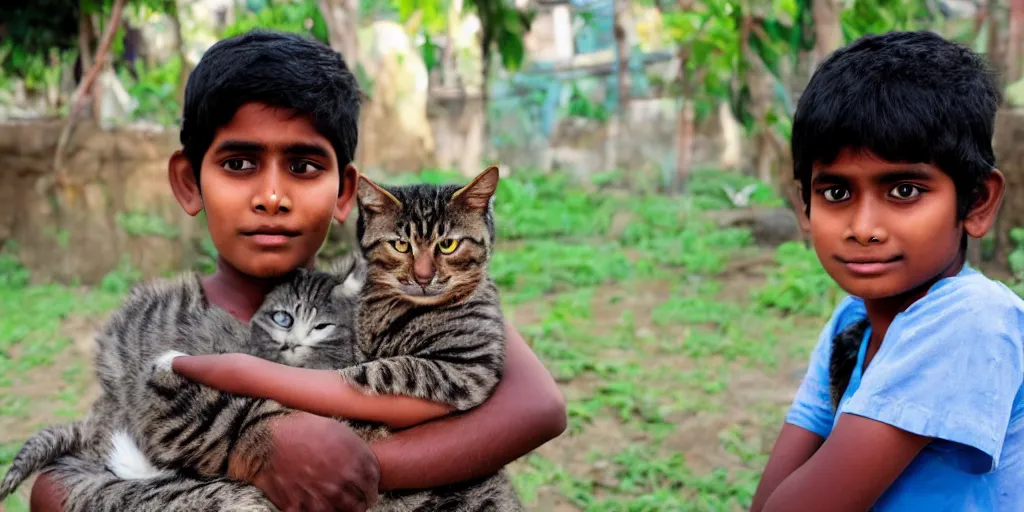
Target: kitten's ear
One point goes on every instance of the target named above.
(477, 195)
(373, 198)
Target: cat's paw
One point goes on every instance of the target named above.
(160, 370)
(163, 362)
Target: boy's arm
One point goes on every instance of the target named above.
(856, 464)
(321, 392)
(794, 447)
(526, 410)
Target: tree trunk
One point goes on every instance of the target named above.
(1008, 133)
(179, 45)
(84, 43)
(1015, 45)
(684, 146)
(611, 143)
(828, 32)
(621, 18)
(88, 79)
(342, 18)
(449, 69)
(992, 46)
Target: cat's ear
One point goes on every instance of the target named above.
(373, 198)
(477, 195)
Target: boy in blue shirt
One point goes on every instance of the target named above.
(892, 147)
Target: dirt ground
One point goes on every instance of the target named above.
(744, 400)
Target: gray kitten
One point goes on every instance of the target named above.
(156, 441)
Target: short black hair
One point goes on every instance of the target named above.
(907, 97)
(281, 69)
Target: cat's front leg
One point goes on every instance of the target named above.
(461, 385)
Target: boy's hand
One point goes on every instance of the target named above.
(318, 464)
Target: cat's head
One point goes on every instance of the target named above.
(428, 244)
(308, 318)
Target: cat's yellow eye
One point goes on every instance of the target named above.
(400, 245)
(448, 246)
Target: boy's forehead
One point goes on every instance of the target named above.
(864, 163)
(270, 127)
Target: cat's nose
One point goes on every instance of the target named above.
(423, 279)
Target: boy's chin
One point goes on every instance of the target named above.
(269, 266)
(874, 289)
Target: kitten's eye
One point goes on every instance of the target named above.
(400, 245)
(281, 318)
(905, 191)
(448, 246)
(238, 164)
(836, 194)
(321, 327)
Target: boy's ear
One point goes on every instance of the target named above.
(982, 215)
(477, 195)
(346, 199)
(375, 199)
(183, 184)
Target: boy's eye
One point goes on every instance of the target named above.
(238, 164)
(836, 194)
(448, 246)
(304, 167)
(905, 191)
(281, 318)
(400, 245)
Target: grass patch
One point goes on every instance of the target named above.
(621, 292)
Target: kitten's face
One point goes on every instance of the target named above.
(428, 244)
(306, 319)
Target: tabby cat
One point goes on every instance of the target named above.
(155, 441)
(429, 320)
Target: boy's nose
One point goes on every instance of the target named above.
(272, 203)
(866, 227)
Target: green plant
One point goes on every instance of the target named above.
(1016, 257)
(156, 90)
(300, 16)
(798, 284)
(146, 224)
(13, 275)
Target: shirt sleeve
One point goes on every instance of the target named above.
(950, 368)
(812, 406)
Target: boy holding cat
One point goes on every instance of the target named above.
(269, 133)
(892, 147)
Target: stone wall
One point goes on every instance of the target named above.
(1010, 158)
(115, 202)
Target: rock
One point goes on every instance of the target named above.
(769, 226)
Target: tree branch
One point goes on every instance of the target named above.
(78, 98)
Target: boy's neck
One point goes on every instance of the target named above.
(237, 293)
(881, 312)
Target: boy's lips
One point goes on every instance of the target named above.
(270, 236)
(868, 266)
